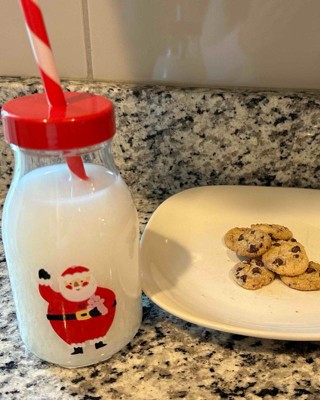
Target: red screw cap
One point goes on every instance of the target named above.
(30, 123)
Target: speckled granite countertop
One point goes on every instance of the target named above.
(170, 139)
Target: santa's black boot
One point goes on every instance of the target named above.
(99, 345)
(77, 350)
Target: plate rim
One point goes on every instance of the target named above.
(219, 326)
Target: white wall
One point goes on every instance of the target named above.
(255, 43)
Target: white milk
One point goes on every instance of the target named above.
(53, 220)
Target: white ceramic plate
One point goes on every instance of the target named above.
(186, 266)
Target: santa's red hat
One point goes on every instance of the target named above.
(75, 270)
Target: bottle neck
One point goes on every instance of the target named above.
(27, 160)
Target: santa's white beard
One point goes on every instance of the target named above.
(84, 293)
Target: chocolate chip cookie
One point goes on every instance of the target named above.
(251, 274)
(286, 258)
(252, 243)
(309, 280)
(277, 232)
(231, 237)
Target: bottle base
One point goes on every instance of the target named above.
(86, 363)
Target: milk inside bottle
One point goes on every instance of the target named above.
(71, 244)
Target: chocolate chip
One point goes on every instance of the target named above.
(256, 270)
(261, 245)
(293, 240)
(240, 238)
(253, 248)
(278, 261)
(295, 249)
(310, 270)
(252, 232)
(239, 269)
(244, 278)
(259, 262)
(296, 256)
(276, 244)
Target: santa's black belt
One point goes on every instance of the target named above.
(79, 315)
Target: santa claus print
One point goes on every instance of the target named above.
(80, 311)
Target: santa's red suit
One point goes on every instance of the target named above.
(73, 321)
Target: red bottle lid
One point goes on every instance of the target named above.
(30, 123)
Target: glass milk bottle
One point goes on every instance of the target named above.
(70, 231)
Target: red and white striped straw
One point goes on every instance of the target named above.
(44, 58)
(42, 52)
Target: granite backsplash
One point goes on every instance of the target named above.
(170, 138)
